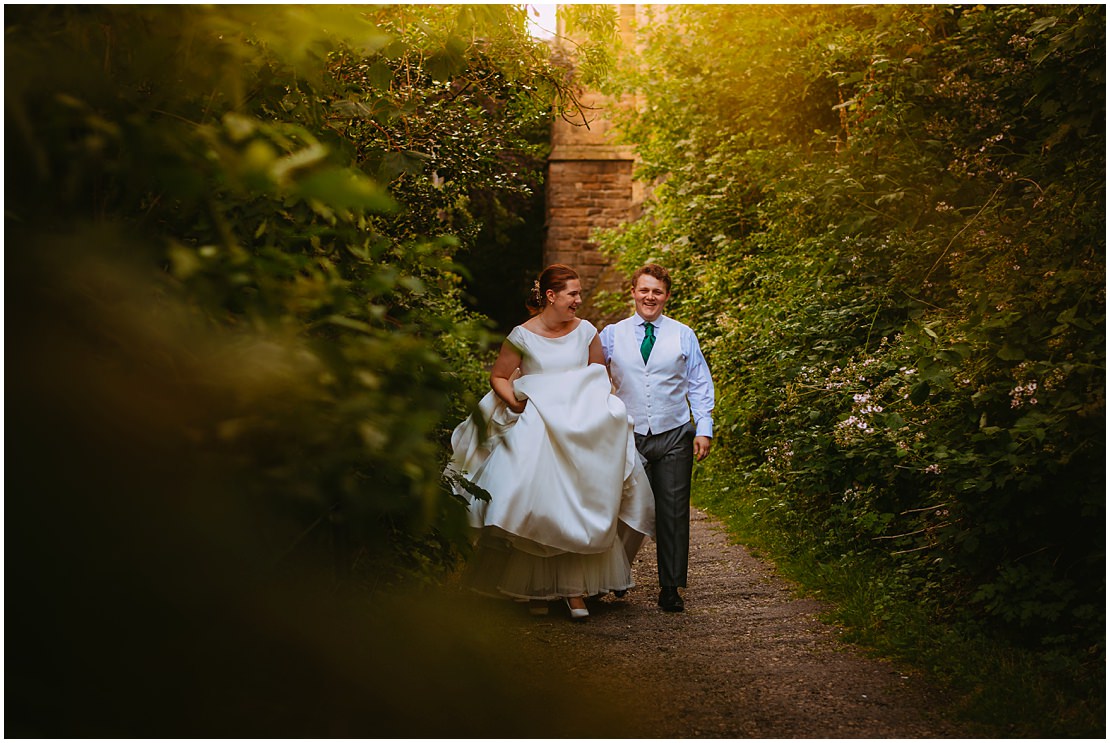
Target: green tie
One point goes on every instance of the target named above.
(649, 341)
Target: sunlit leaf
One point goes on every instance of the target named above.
(344, 189)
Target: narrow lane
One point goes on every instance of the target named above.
(747, 658)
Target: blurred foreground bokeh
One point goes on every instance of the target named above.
(145, 594)
(236, 343)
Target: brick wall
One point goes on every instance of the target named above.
(583, 195)
(590, 186)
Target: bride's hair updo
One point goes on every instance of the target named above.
(555, 278)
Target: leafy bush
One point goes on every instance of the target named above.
(291, 179)
(237, 344)
(886, 223)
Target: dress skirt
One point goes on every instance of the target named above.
(498, 569)
(569, 499)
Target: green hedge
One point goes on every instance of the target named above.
(886, 224)
(281, 192)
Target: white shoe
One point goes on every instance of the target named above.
(577, 614)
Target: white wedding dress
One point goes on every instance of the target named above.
(569, 501)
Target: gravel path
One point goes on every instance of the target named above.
(747, 659)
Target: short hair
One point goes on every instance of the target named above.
(554, 277)
(655, 271)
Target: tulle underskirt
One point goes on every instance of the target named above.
(498, 569)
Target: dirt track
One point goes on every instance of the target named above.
(747, 659)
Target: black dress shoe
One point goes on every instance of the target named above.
(620, 594)
(669, 600)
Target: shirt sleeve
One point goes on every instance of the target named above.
(699, 390)
(607, 342)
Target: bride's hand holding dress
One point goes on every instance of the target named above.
(501, 377)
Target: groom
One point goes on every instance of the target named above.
(659, 372)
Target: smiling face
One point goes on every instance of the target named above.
(650, 295)
(564, 304)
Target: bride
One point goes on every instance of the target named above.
(569, 501)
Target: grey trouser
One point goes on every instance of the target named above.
(669, 462)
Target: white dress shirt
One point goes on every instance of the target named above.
(674, 382)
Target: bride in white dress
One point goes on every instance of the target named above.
(569, 502)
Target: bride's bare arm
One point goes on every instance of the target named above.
(501, 376)
(597, 353)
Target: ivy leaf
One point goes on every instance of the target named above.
(895, 421)
(452, 479)
(919, 393)
(1041, 24)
